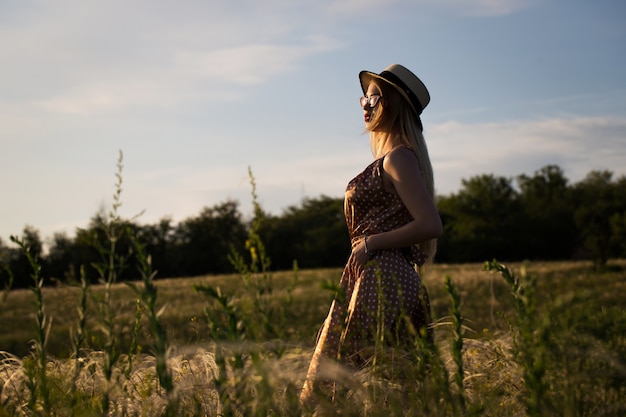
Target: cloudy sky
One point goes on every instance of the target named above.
(194, 92)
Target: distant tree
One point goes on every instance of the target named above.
(18, 262)
(487, 218)
(92, 247)
(4, 252)
(61, 259)
(326, 242)
(159, 241)
(313, 234)
(6, 278)
(600, 208)
(85, 251)
(549, 230)
(202, 244)
(481, 221)
(618, 219)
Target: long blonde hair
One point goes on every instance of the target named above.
(395, 119)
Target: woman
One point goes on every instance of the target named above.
(393, 224)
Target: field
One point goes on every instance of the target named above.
(549, 341)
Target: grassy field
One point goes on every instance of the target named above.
(552, 341)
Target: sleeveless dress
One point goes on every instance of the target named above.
(390, 278)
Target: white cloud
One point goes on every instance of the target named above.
(249, 63)
(481, 8)
(474, 8)
(224, 70)
(75, 59)
(577, 144)
(344, 7)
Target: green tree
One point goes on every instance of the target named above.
(159, 243)
(549, 230)
(481, 221)
(618, 220)
(6, 277)
(313, 234)
(600, 206)
(18, 261)
(202, 244)
(92, 247)
(62, 263)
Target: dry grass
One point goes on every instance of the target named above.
(136, 392)
(585, 371)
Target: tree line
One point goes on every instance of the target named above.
(538, 217)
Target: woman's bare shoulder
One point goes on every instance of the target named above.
(401, 158)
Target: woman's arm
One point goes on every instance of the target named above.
(402, 171)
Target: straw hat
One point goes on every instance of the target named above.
(407, 83)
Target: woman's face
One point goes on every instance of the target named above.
(370, 102)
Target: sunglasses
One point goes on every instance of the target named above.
(372, 100)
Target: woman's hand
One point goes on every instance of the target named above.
(358, 252)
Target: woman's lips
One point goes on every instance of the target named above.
(366, 117)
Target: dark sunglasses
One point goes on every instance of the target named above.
(372, 100)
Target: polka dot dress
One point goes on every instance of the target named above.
(381, 296)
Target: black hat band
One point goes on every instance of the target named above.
(394, 79)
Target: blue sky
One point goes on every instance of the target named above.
(194, 92)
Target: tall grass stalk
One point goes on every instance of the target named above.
(78, 337)
(35, 370)
(457, 341)
(134, 347)
(148, 296)
(531, 337)
(256, 314)
(257, 279)
(108, 269)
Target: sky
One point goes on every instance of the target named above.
(194, 93)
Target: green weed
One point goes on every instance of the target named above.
(35, 367)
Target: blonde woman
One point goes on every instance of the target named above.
(393, 223)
